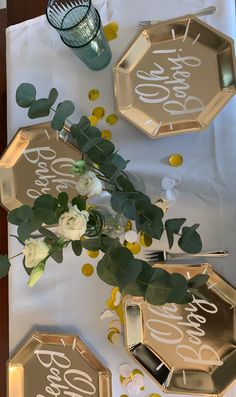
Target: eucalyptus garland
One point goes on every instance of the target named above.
(118, 266)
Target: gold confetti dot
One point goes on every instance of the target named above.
(98, 112)
(113, 337)
(94, 94)
(120, 313)
(175, 160)
(136, 372)
(135, 248)
(110, 302)
(93, 254)
(110, 31)
(106, 134)
(155, 395)
(112, 119)
(87, 269)
(93, 120)
(124, 395)
(145, 240)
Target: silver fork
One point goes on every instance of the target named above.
(163, 256)
(204, 11)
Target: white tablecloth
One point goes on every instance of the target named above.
(64, 300)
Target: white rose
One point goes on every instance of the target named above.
(88, 184)
(35, 251)
(73, 224)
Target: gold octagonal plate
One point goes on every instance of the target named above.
(175, 77)
(188, 349)
(37, 161)
(52, 364)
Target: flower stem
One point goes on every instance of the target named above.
(15, 256)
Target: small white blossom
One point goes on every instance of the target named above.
(35, 251)
(89, 184)
(73, 224)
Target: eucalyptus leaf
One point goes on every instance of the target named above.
(159, 287)
(57, 255)
(48, 233)
(198, 281)
(63, 200)
(25, 95)
(64, 110)
(138, 287)
(4, 266)
(53, 95)
(180, 286)
(190, 241)
(118, 267)
(25, 212)
(24, 231)
(126, 202)
(149, 219)
(99, 153)
(79, 202)
(77, 247)
(13, 217)
(172, 227)
(124, 183)
(39, 108)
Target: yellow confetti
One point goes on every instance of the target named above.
(145, 240)
(110, 31)
(124, 395)
(175, 160)
(106, 134)
(136, 372)
(113, 337)
(94, 94)
(154, 395)
(87, 269)
(112, 119)
(135, 248)
(110, 302)
(93, 120)
(98, 112)
(93, 254)
(120, 313)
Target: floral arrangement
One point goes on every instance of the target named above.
(82, 227)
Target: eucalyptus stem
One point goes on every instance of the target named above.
(15, 256)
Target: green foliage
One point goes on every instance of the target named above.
(198, 281)
(63, 110)
(39, 108)
(118, 267)
(25, 95)
(80, 202)
(77, 247)
(190, 241)
(4, 265)
(172, 227)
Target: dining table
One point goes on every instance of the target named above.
(63, 300)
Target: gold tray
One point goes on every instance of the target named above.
(38, 160)
(175, 77)
(50, 364)
(188, 349)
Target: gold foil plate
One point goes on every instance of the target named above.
(55, 365)
(175, 77)
(37, 161)
(187, 349)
